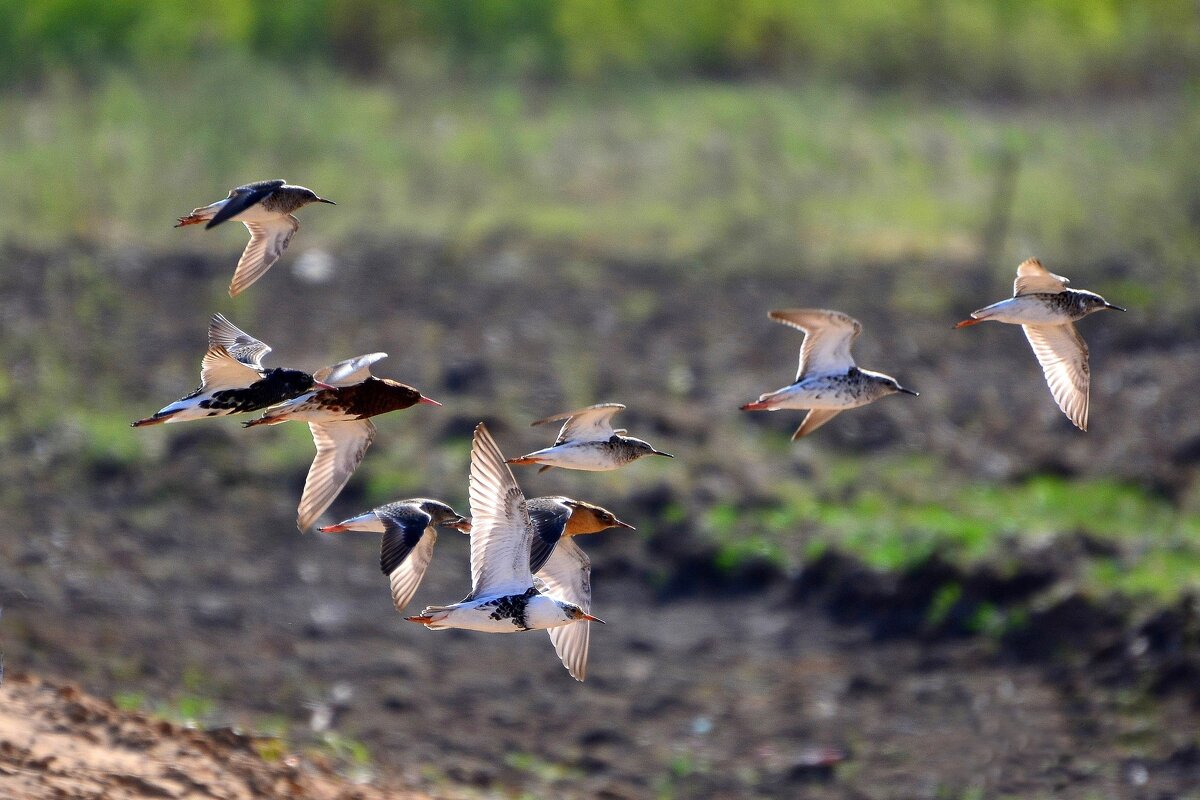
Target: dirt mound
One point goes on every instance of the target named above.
(56, 741)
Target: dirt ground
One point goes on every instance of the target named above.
(178, 574)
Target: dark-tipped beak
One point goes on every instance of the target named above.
(428, 401)
(660, 453)
(908, 391)
(1114, 308)
(323, 200)
(619, 524)
(590, 618)
(461, 524)
(333, 529)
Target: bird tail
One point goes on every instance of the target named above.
(432, 617)
(522, 460)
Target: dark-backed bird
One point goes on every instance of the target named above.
(233, 379)
(265, 208)
(339, 418)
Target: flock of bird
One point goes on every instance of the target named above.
(527, 573)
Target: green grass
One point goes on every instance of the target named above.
(895, 513)
(709, 176)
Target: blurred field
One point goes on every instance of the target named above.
(541, 207)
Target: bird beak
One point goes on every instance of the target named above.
(1114, 308)
(323, 200)
(428, 401)
(320, 385)
(461, 524)
(590, 618)
(660, 453)
(908, 391)
(619, 524)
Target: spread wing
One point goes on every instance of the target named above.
(590, 424)
(814, 419)
(407, 549)
(241, 345)
(268, 240)
(501, 531)
(549, 516)
(1064, 358)
(828, 336)
(1033, 278)
(220, 370)
(348, 372)
(340, 448)
(568, 576)
(242, 198)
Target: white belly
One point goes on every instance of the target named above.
(1025, 310)
(586, 456)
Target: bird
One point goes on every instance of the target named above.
(409, 534)
(827, 381)
(233, 379)
(505, 597)
(265, 208)
(341, 429)
(1047, 310)
(588, 442)
(409, 529)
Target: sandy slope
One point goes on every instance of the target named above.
(58, 742)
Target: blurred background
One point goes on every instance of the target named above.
(542, 205)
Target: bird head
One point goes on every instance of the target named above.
(574, 612)
(589, 518)
(442, 514)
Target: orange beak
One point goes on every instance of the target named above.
(428, 401)
(590, 618)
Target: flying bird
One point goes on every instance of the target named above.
(828, 381)
(505, 598)
(233, 379)
(266, 209)
(338, 417)
(409, 529)
(1046, 309)
(589, 442)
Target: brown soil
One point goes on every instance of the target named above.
(179, 573)
(57, 741)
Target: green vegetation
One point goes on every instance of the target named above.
(895, 513)
(1049, 47)
(699, 175)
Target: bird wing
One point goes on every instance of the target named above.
(501, 531)
(241, 345)
(220, 370)
(814, 419)
(567, 575)
(549, 516)
(268, 240)
(407, 549)
(1064, 358)
(828, 336)
(340, 449)
(348, 372)
(1033, 278)
(242, 198)
(589, 424)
